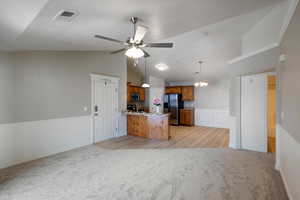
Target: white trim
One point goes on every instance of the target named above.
(278, 148)
(266, 48)
(101, 77)
(95, 77)
(287, 189)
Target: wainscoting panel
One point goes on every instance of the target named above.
(212, 118)
(25, 141)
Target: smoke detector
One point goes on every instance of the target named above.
(66, 15)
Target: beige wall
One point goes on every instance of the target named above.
(51, 85)
(289, 79)
(288, 156)
(7, 88)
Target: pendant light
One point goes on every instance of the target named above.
(200, 83)
(145, 84)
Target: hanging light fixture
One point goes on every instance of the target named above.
(200, 83)
(145, 84)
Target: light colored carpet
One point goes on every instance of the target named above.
(93, 173)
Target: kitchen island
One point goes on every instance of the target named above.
(148, 125)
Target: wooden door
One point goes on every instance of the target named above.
(271, 113)
(188, 93)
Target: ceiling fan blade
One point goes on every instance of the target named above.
(118, 51)
(140, 33)
(109, 39)
(146, 55)
(160, 45)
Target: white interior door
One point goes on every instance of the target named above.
(254, 112)
(105, 110)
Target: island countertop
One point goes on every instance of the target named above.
(148, 125)
(147, 114)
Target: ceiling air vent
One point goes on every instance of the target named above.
(66, 15)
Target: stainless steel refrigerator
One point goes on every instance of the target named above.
(173, 104)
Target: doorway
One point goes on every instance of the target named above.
(258, 112)
(271, 113)
(104, 107)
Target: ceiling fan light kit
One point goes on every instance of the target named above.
(134, 52)
(134, 46)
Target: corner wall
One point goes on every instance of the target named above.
(50, 93)
(288, 160)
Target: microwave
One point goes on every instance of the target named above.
(135, 97)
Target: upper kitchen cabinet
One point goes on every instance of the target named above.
(173, 90)
(135, 93)
(142, 94)
(187, 93)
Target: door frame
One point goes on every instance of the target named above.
(94, 78)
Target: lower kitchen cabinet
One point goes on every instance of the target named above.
(187, 117)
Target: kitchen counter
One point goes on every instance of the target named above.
(148, 125)
(147, 114)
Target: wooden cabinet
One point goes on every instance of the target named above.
(135, 90)
(136, 125)
(142, 94)
(173, 90)
(188, 93)
(149, 126)
(187, 117)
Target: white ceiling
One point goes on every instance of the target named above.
(200, 29)
(110, 18)
(214, 44)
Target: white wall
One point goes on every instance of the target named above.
(157, 90)
(211, 104)
(235, 112)
(215, 96)
(267, 31)
(288, 162)
(25, 141)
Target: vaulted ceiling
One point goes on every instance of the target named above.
(200, 29)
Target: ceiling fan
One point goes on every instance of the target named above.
(135, 44)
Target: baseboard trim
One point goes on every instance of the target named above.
(286, 185)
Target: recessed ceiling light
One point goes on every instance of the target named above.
(162, 67)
